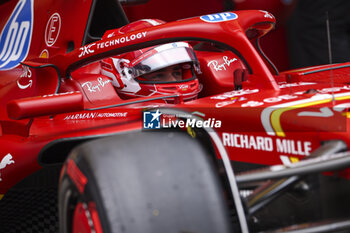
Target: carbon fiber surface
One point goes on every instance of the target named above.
(29, 210)
(31, 205)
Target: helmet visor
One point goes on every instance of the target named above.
(162, 57)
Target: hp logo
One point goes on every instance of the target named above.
(220, 17)
(16, 36)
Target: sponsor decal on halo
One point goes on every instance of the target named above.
(16, 35)
(121, 40)
(91, 48)
(86, 49)
(220, 17)
(267, 14)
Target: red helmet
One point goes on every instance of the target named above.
(164, 69)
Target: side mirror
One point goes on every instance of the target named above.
(132, 2)
(45, 105)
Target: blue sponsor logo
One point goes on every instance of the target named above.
(16, 36)
(151, 120)
(220, 17)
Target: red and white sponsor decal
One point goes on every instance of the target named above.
(27, 77)
(91, 48)
(220, 66)
(96, 85)
(5, 161)
(266, 143)
(53, 28)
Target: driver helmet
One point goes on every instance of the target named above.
(165, 69)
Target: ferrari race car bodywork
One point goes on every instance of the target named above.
(248, 115)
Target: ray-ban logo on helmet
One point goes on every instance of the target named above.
(16, 35)
(220, 17)
(151, 119)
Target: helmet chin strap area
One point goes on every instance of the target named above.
(123, 69)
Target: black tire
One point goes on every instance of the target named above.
(147, 182)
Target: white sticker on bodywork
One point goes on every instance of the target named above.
(53, 28)
(7, 160)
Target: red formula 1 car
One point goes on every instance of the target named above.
(150, 126)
